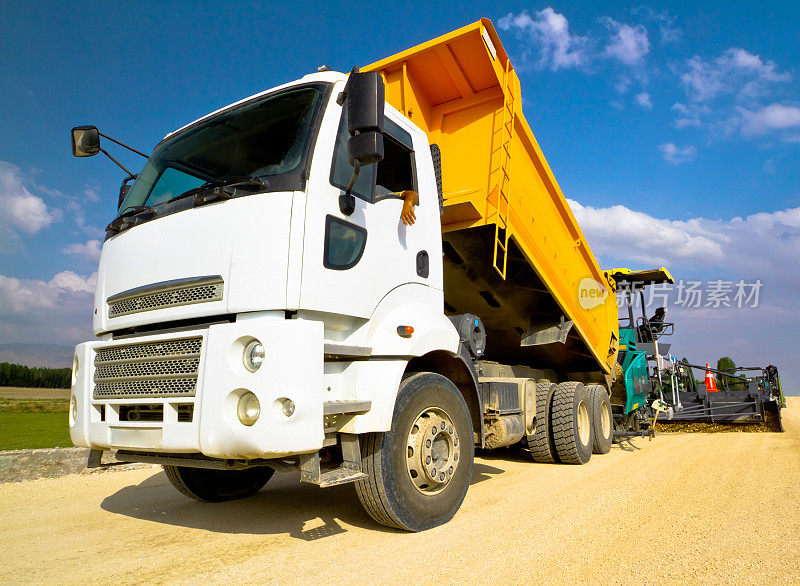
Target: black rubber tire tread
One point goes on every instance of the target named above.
(215, 486)
(541, 442)
(369, 491)
(564, 423)
(385, 493)
(599, 400)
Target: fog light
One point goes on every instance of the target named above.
(74, 369)
(288, 407)
(253, 355)
(248, 409)
(73, 410)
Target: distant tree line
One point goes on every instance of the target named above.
(17, 375)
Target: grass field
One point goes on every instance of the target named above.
(33, 423)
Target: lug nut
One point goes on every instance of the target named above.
(443, 425)
(428, 460)
(428, 443)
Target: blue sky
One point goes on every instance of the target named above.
(674, 127)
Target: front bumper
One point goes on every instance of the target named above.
(207, 422)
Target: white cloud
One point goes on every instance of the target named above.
(90, 250)
(646, 239)
(737, 72)
(623, 84)
(763, 245)
(56, 311)
(74, 282)
(629, 44)
(670, 33)
(769, 118)
(643, 100)
(91, 194)
(547, 31)
(676, 155)
(20, 210)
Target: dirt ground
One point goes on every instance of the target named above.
(710, 508)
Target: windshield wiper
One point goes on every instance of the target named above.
(224, 188)
(128, 218)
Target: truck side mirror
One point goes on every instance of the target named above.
(365, 103)
(85, 141)
(365, 100)
(366, 148)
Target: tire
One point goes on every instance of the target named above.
(541, 442)
(215, 486)
(390, 493)
(571, 423)
(602, 419)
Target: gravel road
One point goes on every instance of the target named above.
(705, 508)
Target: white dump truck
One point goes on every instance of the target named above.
(262, 307)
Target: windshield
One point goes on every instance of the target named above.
(268, 137)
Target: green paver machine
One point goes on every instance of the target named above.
(650, 376)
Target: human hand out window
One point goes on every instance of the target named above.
(410, 199)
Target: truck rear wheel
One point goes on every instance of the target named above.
(571, 423)
(602, 419)
(216, 486)
(541, 442)
(418, 472)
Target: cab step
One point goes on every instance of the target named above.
(349, 471)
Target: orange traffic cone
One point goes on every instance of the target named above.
(711, 385)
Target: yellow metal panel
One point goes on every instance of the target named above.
(453, 88)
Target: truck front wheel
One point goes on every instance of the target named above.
(216, 486)
(418, 472)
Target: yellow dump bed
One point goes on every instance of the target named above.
(515, 254)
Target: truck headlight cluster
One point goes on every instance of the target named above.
(253, 355)
(248, 409)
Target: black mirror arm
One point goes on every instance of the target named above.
(130, 175)
(122, 144)
(347, 203)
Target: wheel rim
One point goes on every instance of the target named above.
(583, 423)
(432, 452)
(605, 420)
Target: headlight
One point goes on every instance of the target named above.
(73, 410)
(74, 369)
(248, 409)
(253, 355)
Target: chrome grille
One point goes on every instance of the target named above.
(173, 294)
(166, 368)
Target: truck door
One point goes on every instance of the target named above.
(351, 262)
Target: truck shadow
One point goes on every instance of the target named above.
(284, 506)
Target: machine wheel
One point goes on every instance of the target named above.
(602, 419)
(216, 486)
(418, 472)
(571, 423)
(541, 442)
